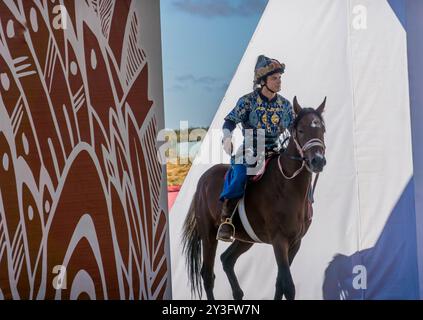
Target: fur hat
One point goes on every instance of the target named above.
(266, 67)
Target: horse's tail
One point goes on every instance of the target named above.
(192, 249)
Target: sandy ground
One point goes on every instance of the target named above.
(176, 173)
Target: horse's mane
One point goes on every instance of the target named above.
(302, 114)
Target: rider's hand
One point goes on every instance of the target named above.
(227, 145)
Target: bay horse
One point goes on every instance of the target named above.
(276, 207)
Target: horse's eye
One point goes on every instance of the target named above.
(300, 131)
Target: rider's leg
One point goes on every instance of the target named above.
(233, 190)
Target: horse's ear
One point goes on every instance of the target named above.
(321, 108)
(297, 107)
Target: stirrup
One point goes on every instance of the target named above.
(227, 221)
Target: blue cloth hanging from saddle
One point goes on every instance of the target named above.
(235, 181)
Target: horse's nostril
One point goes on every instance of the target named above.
(315, 161)
(318, 162)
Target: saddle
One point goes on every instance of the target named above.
(259, 175)
(251, 179)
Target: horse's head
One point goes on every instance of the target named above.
(308, 131)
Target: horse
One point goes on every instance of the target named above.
(276, 207)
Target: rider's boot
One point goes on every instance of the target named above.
(226, 229)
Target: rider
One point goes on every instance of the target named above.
(261, 109)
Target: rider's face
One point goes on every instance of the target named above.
(274, 82)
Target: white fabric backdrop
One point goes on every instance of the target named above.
(363, 72)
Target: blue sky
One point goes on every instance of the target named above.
(202, 43)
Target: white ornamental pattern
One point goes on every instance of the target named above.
(80, 185)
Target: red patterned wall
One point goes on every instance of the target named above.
(80, 185)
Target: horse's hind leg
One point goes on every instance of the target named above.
(229, 258)
(284, 283)
(209, 254)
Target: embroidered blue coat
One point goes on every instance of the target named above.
(254, 111)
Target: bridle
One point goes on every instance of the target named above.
(315, 142)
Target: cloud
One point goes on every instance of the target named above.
(220, 8)
(177, 87)
(205, 82)
(186, 78)
(207, 88)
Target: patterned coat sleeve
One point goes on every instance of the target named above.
(240, 112)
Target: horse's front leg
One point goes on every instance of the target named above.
(293, 251)
(284, 283)
(229, 258)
